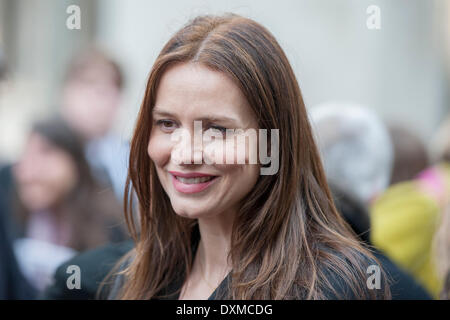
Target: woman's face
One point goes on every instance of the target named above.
(191, 92)
(45, 174)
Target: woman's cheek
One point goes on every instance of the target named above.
(159, 148)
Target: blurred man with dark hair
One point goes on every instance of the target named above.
(410, 154)
(90, 103)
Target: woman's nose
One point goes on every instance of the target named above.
(188, 148)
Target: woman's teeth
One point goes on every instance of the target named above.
(194, 180)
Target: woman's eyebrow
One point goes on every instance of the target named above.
(217, 118)
(161, 112)
(205, 118)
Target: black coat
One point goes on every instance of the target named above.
(13, 284)
(402, 285)
(96, 264)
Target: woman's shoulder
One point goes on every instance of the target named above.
(117, 279)
(353, 277)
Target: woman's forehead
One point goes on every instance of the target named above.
(194, 89)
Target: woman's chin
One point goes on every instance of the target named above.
(191, 213)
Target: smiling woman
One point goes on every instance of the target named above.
(223, 230)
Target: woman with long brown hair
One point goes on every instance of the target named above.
(57, 206)
(213, 230)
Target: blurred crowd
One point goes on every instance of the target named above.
(64, 194)
(393, 190)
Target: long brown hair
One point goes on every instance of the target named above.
(287, 238)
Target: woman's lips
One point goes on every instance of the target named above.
(191, 182)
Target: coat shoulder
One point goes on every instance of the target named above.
(94, 266)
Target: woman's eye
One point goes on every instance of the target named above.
(166, 125)
(218, 129)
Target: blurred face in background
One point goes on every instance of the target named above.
(90, 100)
(45, 174)
(190, 92)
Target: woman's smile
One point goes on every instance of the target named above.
(192, 182)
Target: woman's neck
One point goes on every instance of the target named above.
(214, 245)
(210, 265)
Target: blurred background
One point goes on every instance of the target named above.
(398, 70)
(379, 101)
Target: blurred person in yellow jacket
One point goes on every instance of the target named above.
(406, 217)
